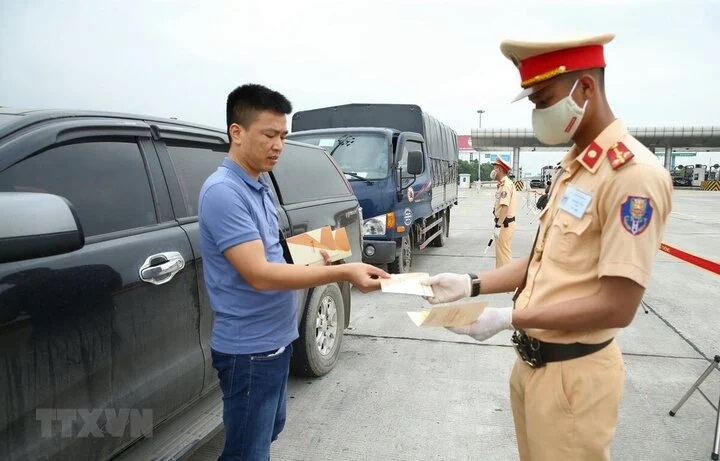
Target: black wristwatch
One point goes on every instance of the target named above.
(474, 285)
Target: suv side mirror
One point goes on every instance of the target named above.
(37, 225)
(415, 162)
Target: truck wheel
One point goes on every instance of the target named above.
(447, 223)
(404, 258)
(316, 351)
(439, 241)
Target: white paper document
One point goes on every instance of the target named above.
(454, 315)
(408, 284)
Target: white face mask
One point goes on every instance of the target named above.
(557, 124)
(493, 174)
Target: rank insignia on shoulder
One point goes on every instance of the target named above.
(591, 156)
(635, 214)
(619, 155)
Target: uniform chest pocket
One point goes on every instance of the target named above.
(570, 242)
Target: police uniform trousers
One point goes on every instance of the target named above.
(503, 246)
(568, 411)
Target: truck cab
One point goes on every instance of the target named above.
(388, 174)
(405, 183)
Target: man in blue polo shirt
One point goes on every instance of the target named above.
(249, 284)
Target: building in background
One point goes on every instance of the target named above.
(468, 152)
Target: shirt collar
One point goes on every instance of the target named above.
(591, 157)
(257, 184)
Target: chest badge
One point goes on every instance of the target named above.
(635, 214)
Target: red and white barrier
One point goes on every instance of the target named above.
(706, 264)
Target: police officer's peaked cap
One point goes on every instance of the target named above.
(538, 62)
(502, 164)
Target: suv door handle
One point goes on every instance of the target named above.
(162, 267)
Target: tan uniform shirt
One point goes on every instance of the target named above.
(618, 234)
(505, 195)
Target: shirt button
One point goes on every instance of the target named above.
(565, 223)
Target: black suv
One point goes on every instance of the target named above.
(104, 318)
(537, 183)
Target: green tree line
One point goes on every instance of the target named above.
(471, 168)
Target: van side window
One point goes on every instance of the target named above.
(193, 164)
(106, 182)
(305, 174)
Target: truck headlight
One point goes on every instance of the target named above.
(375, 226)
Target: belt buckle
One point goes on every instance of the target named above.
(523, 344)
(527, 348)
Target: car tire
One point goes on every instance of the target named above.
(316, 350)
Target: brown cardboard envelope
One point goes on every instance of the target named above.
(305, 248)
(454, 315)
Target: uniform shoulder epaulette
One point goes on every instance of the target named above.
(591, 156)
(619, 155)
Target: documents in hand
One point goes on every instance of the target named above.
(454, 315)
(408, 284)
(305, 248)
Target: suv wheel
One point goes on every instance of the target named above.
(321, 333)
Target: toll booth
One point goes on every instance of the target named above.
(464, 181)
(699, 174)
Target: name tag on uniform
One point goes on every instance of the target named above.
(575, 201)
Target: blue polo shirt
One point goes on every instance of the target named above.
(235, 208)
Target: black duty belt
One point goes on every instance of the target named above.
(537, 353)
(507, 221)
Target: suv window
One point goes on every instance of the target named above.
(306, 173)
(193, 164)
(106, 182)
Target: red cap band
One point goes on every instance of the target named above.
(545, 66)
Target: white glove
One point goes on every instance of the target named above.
(496, 233)
(448, 287)
(492, 321)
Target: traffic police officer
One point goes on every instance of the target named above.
(590, 263)
(504, 212)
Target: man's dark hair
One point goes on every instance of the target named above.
(244, 103)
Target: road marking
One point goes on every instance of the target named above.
(683, 214)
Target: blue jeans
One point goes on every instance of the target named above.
(254, 388)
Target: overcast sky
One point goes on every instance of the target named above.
(181, 58)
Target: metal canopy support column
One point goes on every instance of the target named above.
(516, 163)
(668, 159)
